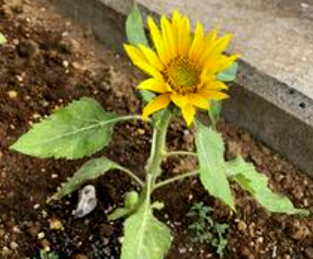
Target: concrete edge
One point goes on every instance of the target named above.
(273, 112)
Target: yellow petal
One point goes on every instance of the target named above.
(184, 36)
(151, 56)
(198, 101)
(221, 44)
(176, 17)
(197, 43)
(179, 100)
(154, 85)
(150, 70)
(158, 103)
(209, 42)
(214, 85)
(188, 112)
(211, 37)
(157, 39)
(218, 63)
(169, 38)
(215, 50)
(214, 95)
(181, 31)
(207, 76)
(134, 53)
(227, 62)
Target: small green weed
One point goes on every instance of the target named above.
(205, 230)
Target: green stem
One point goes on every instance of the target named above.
(174, 179)
(131, 174)
(180, 153)
(153, 166)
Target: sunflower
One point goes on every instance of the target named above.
(183, 66)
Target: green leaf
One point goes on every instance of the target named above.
(119, 213)
(215, 112)
(134, 27)
(2, 39)
(229, 74)
(145, 236)
(89, 171)
(80, 129)
(257, 184)
(213, 171)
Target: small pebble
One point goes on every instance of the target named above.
(45, 244)
(13, 245)
(182, 250)
(65, 63)
(36, 116)
(56, 224)
(12, 94)
(5, 250)
(260, 240)
(36, 206)
(16, 229)
(242, 226)
(41, 235)
(19, 78)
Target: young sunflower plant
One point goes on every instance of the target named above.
(187, 71)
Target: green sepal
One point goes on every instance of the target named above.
(147, 96)
(228, 74)
(135, 31)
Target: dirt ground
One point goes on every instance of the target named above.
(47, 62)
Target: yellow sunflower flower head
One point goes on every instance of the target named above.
(183, 66)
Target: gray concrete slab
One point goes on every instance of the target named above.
(274, 112)
(275, 36)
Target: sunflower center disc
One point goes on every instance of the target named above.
(182, 75)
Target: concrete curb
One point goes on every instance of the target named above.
(273, 112)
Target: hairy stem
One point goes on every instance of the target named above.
(176, 178)
(153, 166)
(132, 175)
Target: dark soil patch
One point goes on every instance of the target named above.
(47, 62)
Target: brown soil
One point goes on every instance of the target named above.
(49, 61)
